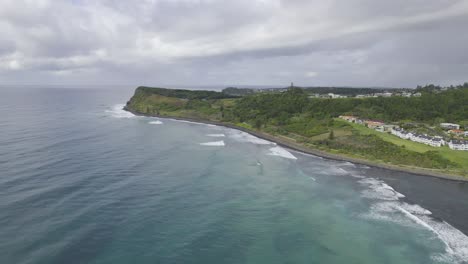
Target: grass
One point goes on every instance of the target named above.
(457, 156)
(336, 132)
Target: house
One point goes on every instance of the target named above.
(417, 94)
(458, 144)
(384, 94)
(373, 123)
(351, 119)
(449, 126)
(400, 132)
(333, 96)
(466, 134)
(428, 140)
(457, 132)
(424, 139)
(388, 128)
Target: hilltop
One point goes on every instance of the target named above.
(291, 115)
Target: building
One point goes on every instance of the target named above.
(417, 94)
(351, 119)
(385, 94)
(457, 132)
(333, 96)
(388, 128)
(428, 140)
(400, 132)
(458, 144)
(424, 139)
(449, 126)
(373, 123)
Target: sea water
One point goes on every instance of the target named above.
(83, 181)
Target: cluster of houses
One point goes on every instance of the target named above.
(457, 144)
(384, 94)
(433, 141)
(424, 139)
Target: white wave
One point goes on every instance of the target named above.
(337, 171)
(118, 112)
(415, 209)
(379, 190)
(215, 135)
(307, 154)
(281, 152)
(213, 144)
(189, 122)
(349, 164)
(393, 210)
(241, 136)
(456, 243)
(157, 122)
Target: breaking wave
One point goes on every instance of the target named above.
(391, 209)
(117, 111)
(215, 135)
(281, 152)
(157, 122)
(241, 136)
(214, 143)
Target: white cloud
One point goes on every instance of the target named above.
(186, 40)
(311, 74)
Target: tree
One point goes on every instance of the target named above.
(331, 136)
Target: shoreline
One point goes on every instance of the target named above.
(323, 154)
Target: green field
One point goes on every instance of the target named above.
(457, 156)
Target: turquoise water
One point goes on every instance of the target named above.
(84, 182)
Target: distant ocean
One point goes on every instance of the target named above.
(82, 181)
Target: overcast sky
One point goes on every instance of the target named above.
(399, 43)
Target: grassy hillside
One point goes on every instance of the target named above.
(294, 116)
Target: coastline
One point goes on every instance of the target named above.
(300, 148)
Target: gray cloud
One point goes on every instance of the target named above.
(159, 42)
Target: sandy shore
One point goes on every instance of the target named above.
(298, 147)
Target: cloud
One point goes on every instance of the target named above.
(157, 42)
(311, 74)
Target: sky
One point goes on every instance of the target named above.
(398, 43)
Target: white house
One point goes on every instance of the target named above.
(458, 144)
(400, 132)
(449, 126)
(424, 139)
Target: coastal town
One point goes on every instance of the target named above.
(369, 95)
(453, 136)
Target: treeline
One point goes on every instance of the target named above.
(450, 105)
(238, 91)
(350, 91)
(182, 94)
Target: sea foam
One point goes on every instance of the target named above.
(119, 112)
(213, 144)
(281, 152)
(241, 136)
(157, 122)
(396, 211)
(215, 135)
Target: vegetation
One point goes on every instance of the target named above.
(349, 91)
(238, 91)
(312, 122)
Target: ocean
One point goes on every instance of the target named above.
(83, 181)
